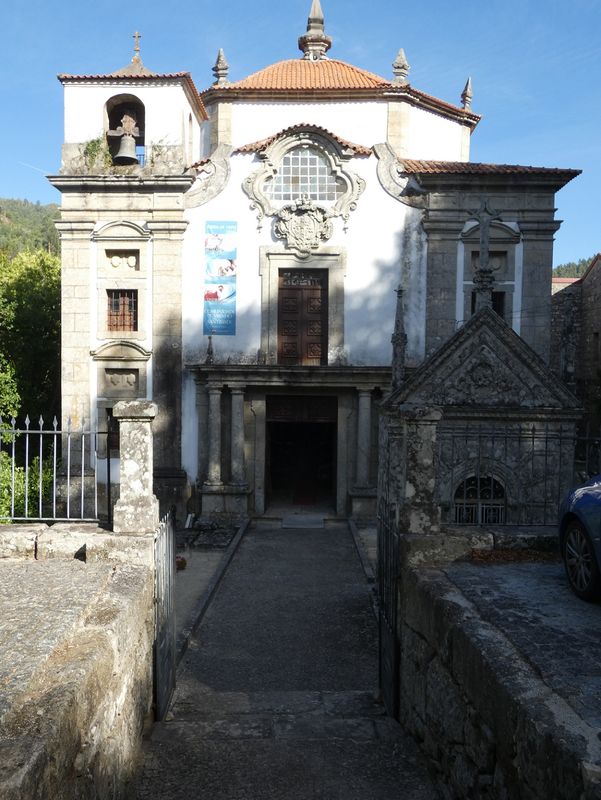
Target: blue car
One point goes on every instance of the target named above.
(580, 538)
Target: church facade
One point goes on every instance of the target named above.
(233, 254)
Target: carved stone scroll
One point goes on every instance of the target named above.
(212, 177)
(405, 188)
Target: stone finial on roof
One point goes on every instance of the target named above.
(135, 67)
(400, 68)
(221, 69)
(315, 43)
(467, 94)
(399, 342)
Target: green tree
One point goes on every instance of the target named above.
(27, 226)
(30, 333)
(10, 399)
(572, 269)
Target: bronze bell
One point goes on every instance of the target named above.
(127, 151)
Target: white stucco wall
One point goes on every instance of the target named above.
(384, 246)
(431, 137)
(358, 122)
(166, 107)
(425, 135)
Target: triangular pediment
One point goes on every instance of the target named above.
(485, 365)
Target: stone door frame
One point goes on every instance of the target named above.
(274, 259)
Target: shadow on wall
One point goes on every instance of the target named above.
(371, 310)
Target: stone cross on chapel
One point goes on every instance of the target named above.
(483, 275)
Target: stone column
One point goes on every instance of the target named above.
(237, 443)
(363, 437)
(214, 470)
(137, 510)
(259, 409)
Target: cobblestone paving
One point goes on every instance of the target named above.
(558, 634)
(275, 695)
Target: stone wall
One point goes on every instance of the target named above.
(566, 327)
(590, 343)
(77, 625)
(483, 716)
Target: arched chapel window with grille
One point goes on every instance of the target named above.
(480, 500)
(304, 171)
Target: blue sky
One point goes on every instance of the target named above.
(535, 67)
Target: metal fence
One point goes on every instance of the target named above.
(164, 643)
(52, 473)
(511, 474)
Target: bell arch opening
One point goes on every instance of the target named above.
(125, 119)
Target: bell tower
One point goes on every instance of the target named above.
(129, 139)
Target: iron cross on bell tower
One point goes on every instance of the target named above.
(483, 275)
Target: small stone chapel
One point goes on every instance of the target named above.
(232, 253)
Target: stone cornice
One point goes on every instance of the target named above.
(532, 229)
(75, 228)
(174, 184)
(389, 93)
(477, 183)
(168, 227)
(279, 376)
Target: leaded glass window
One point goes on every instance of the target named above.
(304, 171)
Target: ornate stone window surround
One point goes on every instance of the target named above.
(505, 237)
(337, 158)
(118, 358)
(125, 237)
(271, 261)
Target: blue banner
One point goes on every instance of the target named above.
(221, 253)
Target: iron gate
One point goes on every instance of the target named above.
(388, 600)
(164, 605)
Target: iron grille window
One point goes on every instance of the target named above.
(304, 171)
(122, 310)
(480, 500)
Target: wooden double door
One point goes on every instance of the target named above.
(303, 317)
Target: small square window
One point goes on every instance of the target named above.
(122, 310)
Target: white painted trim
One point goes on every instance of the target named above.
(149, 316)
(518, 285)
(93, 306)
(460, 288)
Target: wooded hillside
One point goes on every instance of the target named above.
(27, 226)
(572, 269)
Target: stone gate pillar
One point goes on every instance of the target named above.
(419, 511)
(137, 510)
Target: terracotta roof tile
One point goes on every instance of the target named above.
(302, 74)
(330, 77)
(115, 76)
(471, 168)
(256, 147)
